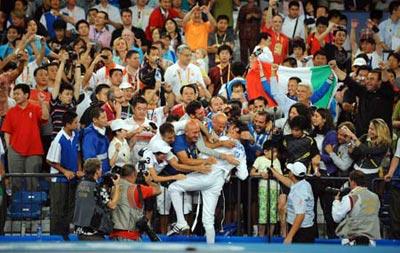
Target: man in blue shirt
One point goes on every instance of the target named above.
(63, 158)
(95, 142)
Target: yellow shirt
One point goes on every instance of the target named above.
(197, 34)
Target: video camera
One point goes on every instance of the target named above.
(142, 171)
(335, 191)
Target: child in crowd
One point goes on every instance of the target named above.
(260, 169)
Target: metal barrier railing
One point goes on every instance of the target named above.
(241, 206)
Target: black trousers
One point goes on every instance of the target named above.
(394, 211)
(62, 203)
(303, 235)
(326, 199)
(95, 237)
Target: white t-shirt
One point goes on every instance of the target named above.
(289, 25)
(142, 139)
(238, 152)
(262, 164)
(266, 55)
(178, 77)
(157, 115)
(124, 154)
(140, 18)
(27, 75)
(77, 13)
(100, 76)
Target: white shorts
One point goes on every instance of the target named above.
(164, 202)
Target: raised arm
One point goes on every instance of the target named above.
(57, 83)
(325, 87)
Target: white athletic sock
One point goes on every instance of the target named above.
(177, 202)
(210, 235)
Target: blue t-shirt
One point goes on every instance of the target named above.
(181, 144)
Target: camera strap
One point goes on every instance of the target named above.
(139, 188)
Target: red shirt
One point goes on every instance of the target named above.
(314, 43)
(34, 95)
(178, 110)
(279, 45)
(23, 125)
(157, 20)
(109, 112)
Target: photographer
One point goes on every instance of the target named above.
(358, 212)
(129, 210)
(93, 203)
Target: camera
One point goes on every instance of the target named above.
(309, 21)
(335, 191)
(144, 227)
(258, 52)
(110, 176)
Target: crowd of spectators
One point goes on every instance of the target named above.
(164, 81)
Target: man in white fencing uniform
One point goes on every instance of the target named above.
(210, 184)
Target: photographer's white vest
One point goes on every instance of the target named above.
(363, 219)
(127, 213)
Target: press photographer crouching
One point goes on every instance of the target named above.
(357, 212)
(128, 218)
(94, 202)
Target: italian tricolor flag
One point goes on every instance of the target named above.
(315, 76)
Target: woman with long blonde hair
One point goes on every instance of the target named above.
(120, 48)
(370, 150)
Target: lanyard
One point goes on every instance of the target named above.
(216, 40)
(187, 77)
(221, 74)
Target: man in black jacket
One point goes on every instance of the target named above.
(375, 99)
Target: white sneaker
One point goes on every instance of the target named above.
(178, 229)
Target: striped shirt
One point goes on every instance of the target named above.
(57, 110)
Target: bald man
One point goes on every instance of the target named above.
(209, 184)
(218, 124)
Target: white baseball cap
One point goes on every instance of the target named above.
(359, 62)
(118, 124)
(297, 168)
(159, 146)
(125, 85)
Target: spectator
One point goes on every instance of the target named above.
(120, 48)
(141, 14)
(183, 72)
(71, 14)
(159, 16)
(279, 44)
(83, 27)
(389, 29)
(218, 38)
(142, 131)
(98, 32)
(375, 99)
(324, 134)
(13, 34)
(49, 17)
(132, 65)
(98, 98)
(248, 24)
(196, 30)
(119, 151)
(293, 24)
(260, 169)
(340, 154)
(126, 16)
(95, 142)
(370, 150)
(336, 51)
(188, 94)
(64, 158)
(172, 28)
(318, 39)
(63, 98)
(222, 73)
(113, 15)
(22, 134)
